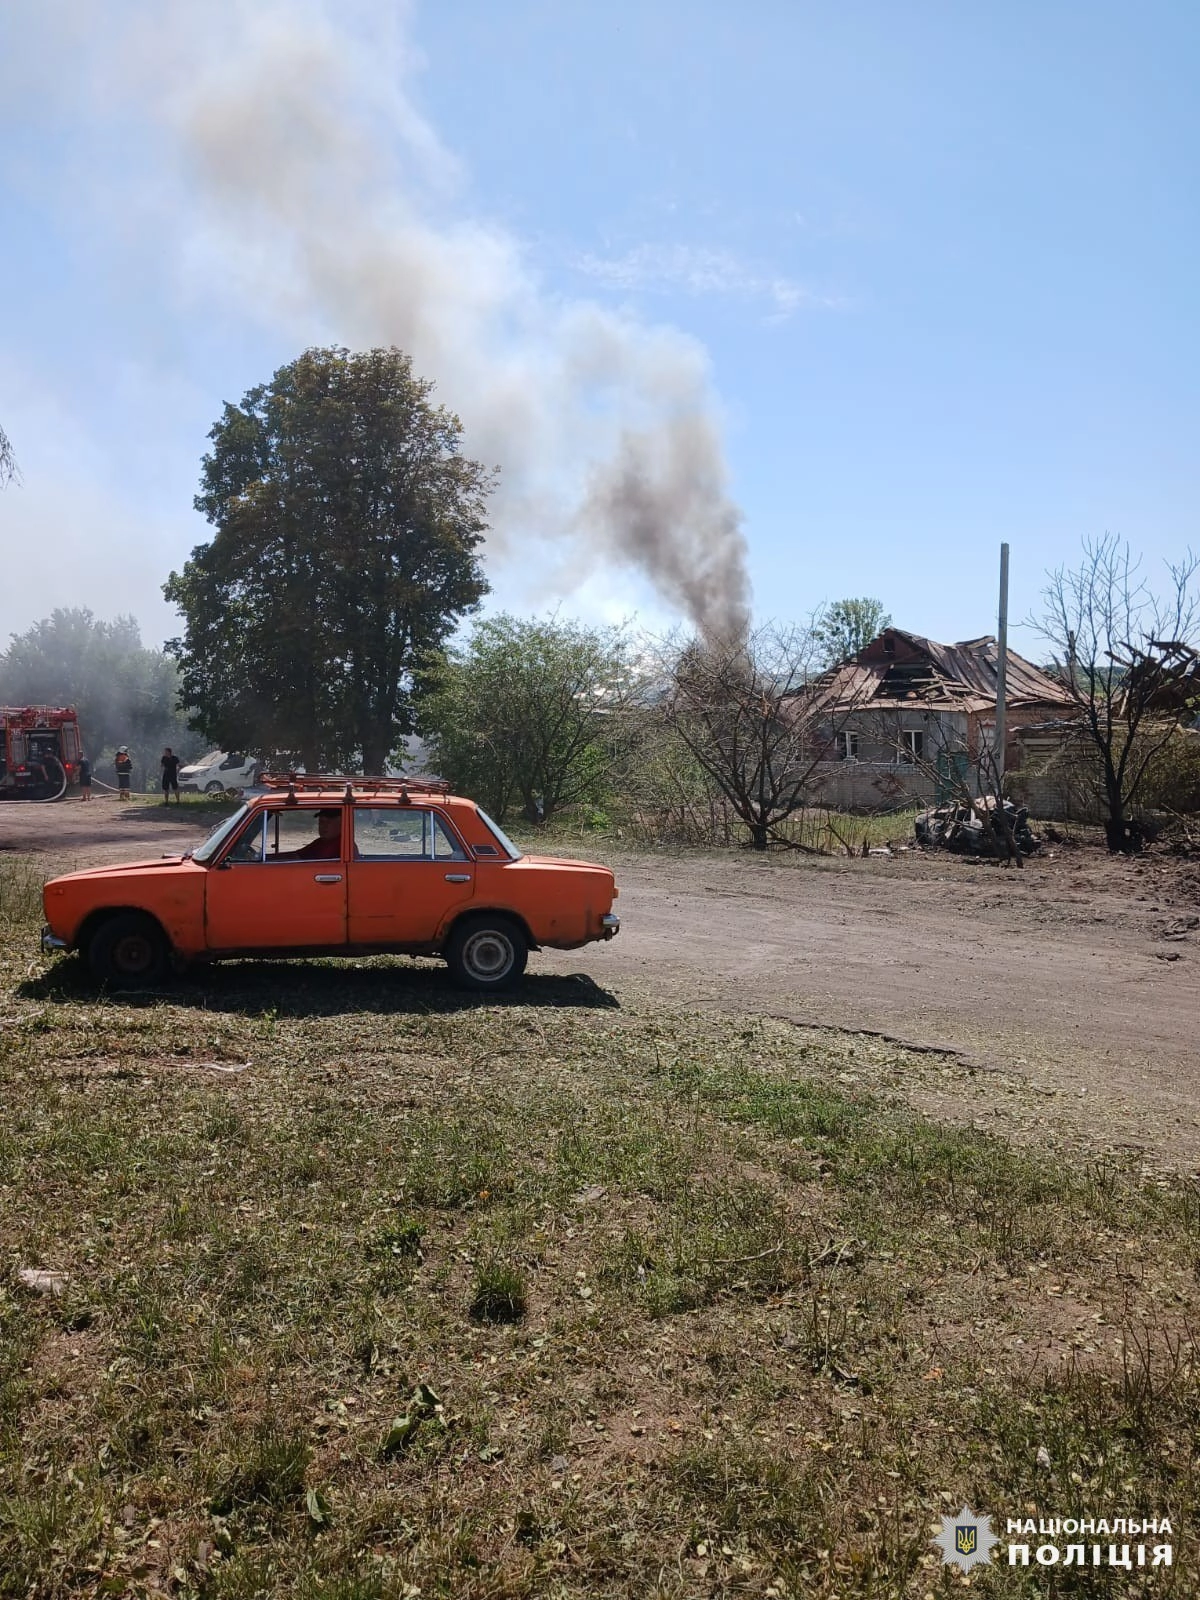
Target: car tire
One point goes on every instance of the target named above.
(214, 788)
(486, 953)
(128, 951)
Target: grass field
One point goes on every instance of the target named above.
(579, 831)
(813, 830)
(371, 1290)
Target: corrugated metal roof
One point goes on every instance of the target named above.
(959, 677)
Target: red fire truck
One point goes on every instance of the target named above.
(39, 751)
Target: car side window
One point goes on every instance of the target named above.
(304, 834)
(445, 847)
(402, 834)
(249, 846)
(291, 835)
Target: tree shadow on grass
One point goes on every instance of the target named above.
(319, 988)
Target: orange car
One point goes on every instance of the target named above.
(335, 866)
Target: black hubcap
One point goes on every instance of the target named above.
(133, 954)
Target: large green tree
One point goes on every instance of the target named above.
(844, 627)
(530, 713)
(124, 692)
(347, 528)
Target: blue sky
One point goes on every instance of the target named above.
(921, 276)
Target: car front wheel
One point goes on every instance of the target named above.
(128, 951)
(486, 953)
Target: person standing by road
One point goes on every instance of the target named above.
(124, 766)
(85, 778)
(170, 776)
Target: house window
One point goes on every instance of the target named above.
(847, 747)
(912, 745)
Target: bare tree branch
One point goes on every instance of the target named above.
(9, 471)
(752, 715)
(1127, 655)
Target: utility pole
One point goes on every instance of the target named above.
(1002, 670)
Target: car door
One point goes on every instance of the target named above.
(408, 872)
(280, 885)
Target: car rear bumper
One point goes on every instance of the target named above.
(611, 924)
(51, 943)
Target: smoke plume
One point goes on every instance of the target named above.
(317, 193)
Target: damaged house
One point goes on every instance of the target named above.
(909, 720)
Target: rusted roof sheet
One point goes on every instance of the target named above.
(901, 669)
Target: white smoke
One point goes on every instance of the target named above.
(318, 194)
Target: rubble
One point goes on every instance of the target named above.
(977, 829)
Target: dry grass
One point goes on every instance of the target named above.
(815, 829)
(375, 1291)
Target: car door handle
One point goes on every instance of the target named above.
(458, 877)
(328, 877)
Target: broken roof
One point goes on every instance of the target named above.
(900, 669)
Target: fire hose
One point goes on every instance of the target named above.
(48, 763)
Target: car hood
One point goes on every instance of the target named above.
(124, 868)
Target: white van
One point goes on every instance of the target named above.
(219, 770)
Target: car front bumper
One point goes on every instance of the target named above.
(51, 943)
(611, 924)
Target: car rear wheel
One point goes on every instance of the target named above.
(128, 951)
(486, 953)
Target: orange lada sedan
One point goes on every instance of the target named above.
(335, 866)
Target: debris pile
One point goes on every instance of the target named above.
(978, 829)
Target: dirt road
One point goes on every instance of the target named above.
(1078, 977)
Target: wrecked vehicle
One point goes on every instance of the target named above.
(979, 829)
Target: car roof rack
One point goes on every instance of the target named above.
(350, 783)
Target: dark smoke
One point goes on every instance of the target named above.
(307, 182)
(660, 503)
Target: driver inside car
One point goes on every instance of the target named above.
(327, 846)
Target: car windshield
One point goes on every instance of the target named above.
(500, 834)
(218, 836)
(207, 761)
